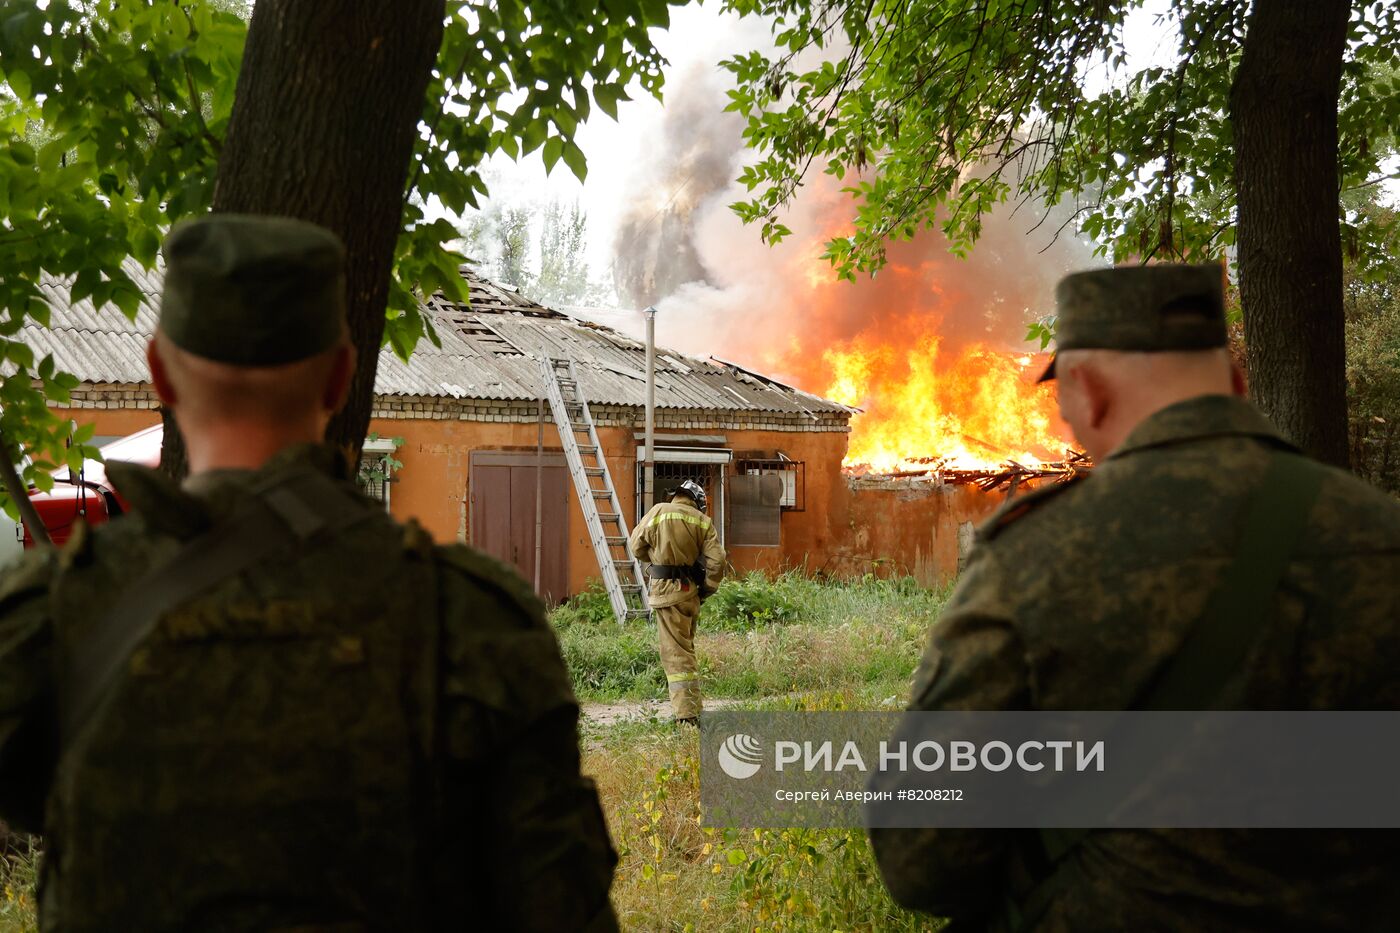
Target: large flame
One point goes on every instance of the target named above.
(930, 348)
(931, 394)
(974, 408)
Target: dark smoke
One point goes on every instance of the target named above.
(696, 157)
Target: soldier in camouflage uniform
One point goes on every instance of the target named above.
(687, 563)
(346, 727)
(1078, 597)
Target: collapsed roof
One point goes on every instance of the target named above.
(488, 350)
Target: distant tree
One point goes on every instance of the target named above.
(512, 233)
(478, 229)
(500, 238)
(935, 110)
(563, 278)
(133, 103)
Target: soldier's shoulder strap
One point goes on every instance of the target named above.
(1019, 506)
(288, 510)
(1215, 649)
(1204, 671)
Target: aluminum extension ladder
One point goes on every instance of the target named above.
(622, 573)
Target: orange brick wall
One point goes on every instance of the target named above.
(116, 422)
(847, 528)
(435, 483)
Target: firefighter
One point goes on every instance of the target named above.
(687, 561)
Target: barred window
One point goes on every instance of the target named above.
(377, 464)
(791, 473)
(707, 466)
(667, 477)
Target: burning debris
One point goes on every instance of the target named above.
(974, 408)
(1007, 475)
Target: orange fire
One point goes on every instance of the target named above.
(971, 409)
(930, 348)
(903, 348)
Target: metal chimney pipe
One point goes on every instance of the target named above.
(649, 455)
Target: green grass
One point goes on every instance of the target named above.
(761, 637)
(18, 872)
(786, 643)
(675, 874)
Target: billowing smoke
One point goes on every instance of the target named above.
(695, 157)
(932, 347)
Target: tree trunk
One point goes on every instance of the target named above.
(327, 108)
(1283, 108)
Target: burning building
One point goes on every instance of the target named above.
(861, 425)
(931, 349)
(461, 442)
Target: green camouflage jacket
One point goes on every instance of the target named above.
(370, 732)
(1076, 595)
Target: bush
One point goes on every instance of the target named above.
(1371, 299)
(611, 661)
(748, 602)
(591, 607)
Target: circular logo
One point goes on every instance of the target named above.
(740, 756)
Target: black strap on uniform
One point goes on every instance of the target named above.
(1215, 650)
(1199, 675)
(669, 572)
(290, 510)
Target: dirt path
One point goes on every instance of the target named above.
(607, 714)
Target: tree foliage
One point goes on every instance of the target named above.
(936, 109)
(512, 235)
(563, 278)
(512, 77)
(112, 114)
(109, 130)
(1372, 303)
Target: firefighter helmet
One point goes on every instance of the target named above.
(693, 489)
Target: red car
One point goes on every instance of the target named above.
(89, 495)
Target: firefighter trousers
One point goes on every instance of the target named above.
(675, 627)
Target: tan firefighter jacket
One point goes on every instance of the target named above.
(677, 534)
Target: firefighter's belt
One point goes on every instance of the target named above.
(274, 523)
(672, 572)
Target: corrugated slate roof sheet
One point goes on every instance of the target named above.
(487, 353)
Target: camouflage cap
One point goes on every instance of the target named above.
(1143, 309)
(253, 291)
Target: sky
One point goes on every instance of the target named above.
(701, 36)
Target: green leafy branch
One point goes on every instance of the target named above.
(112, 115)
(934, 111)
